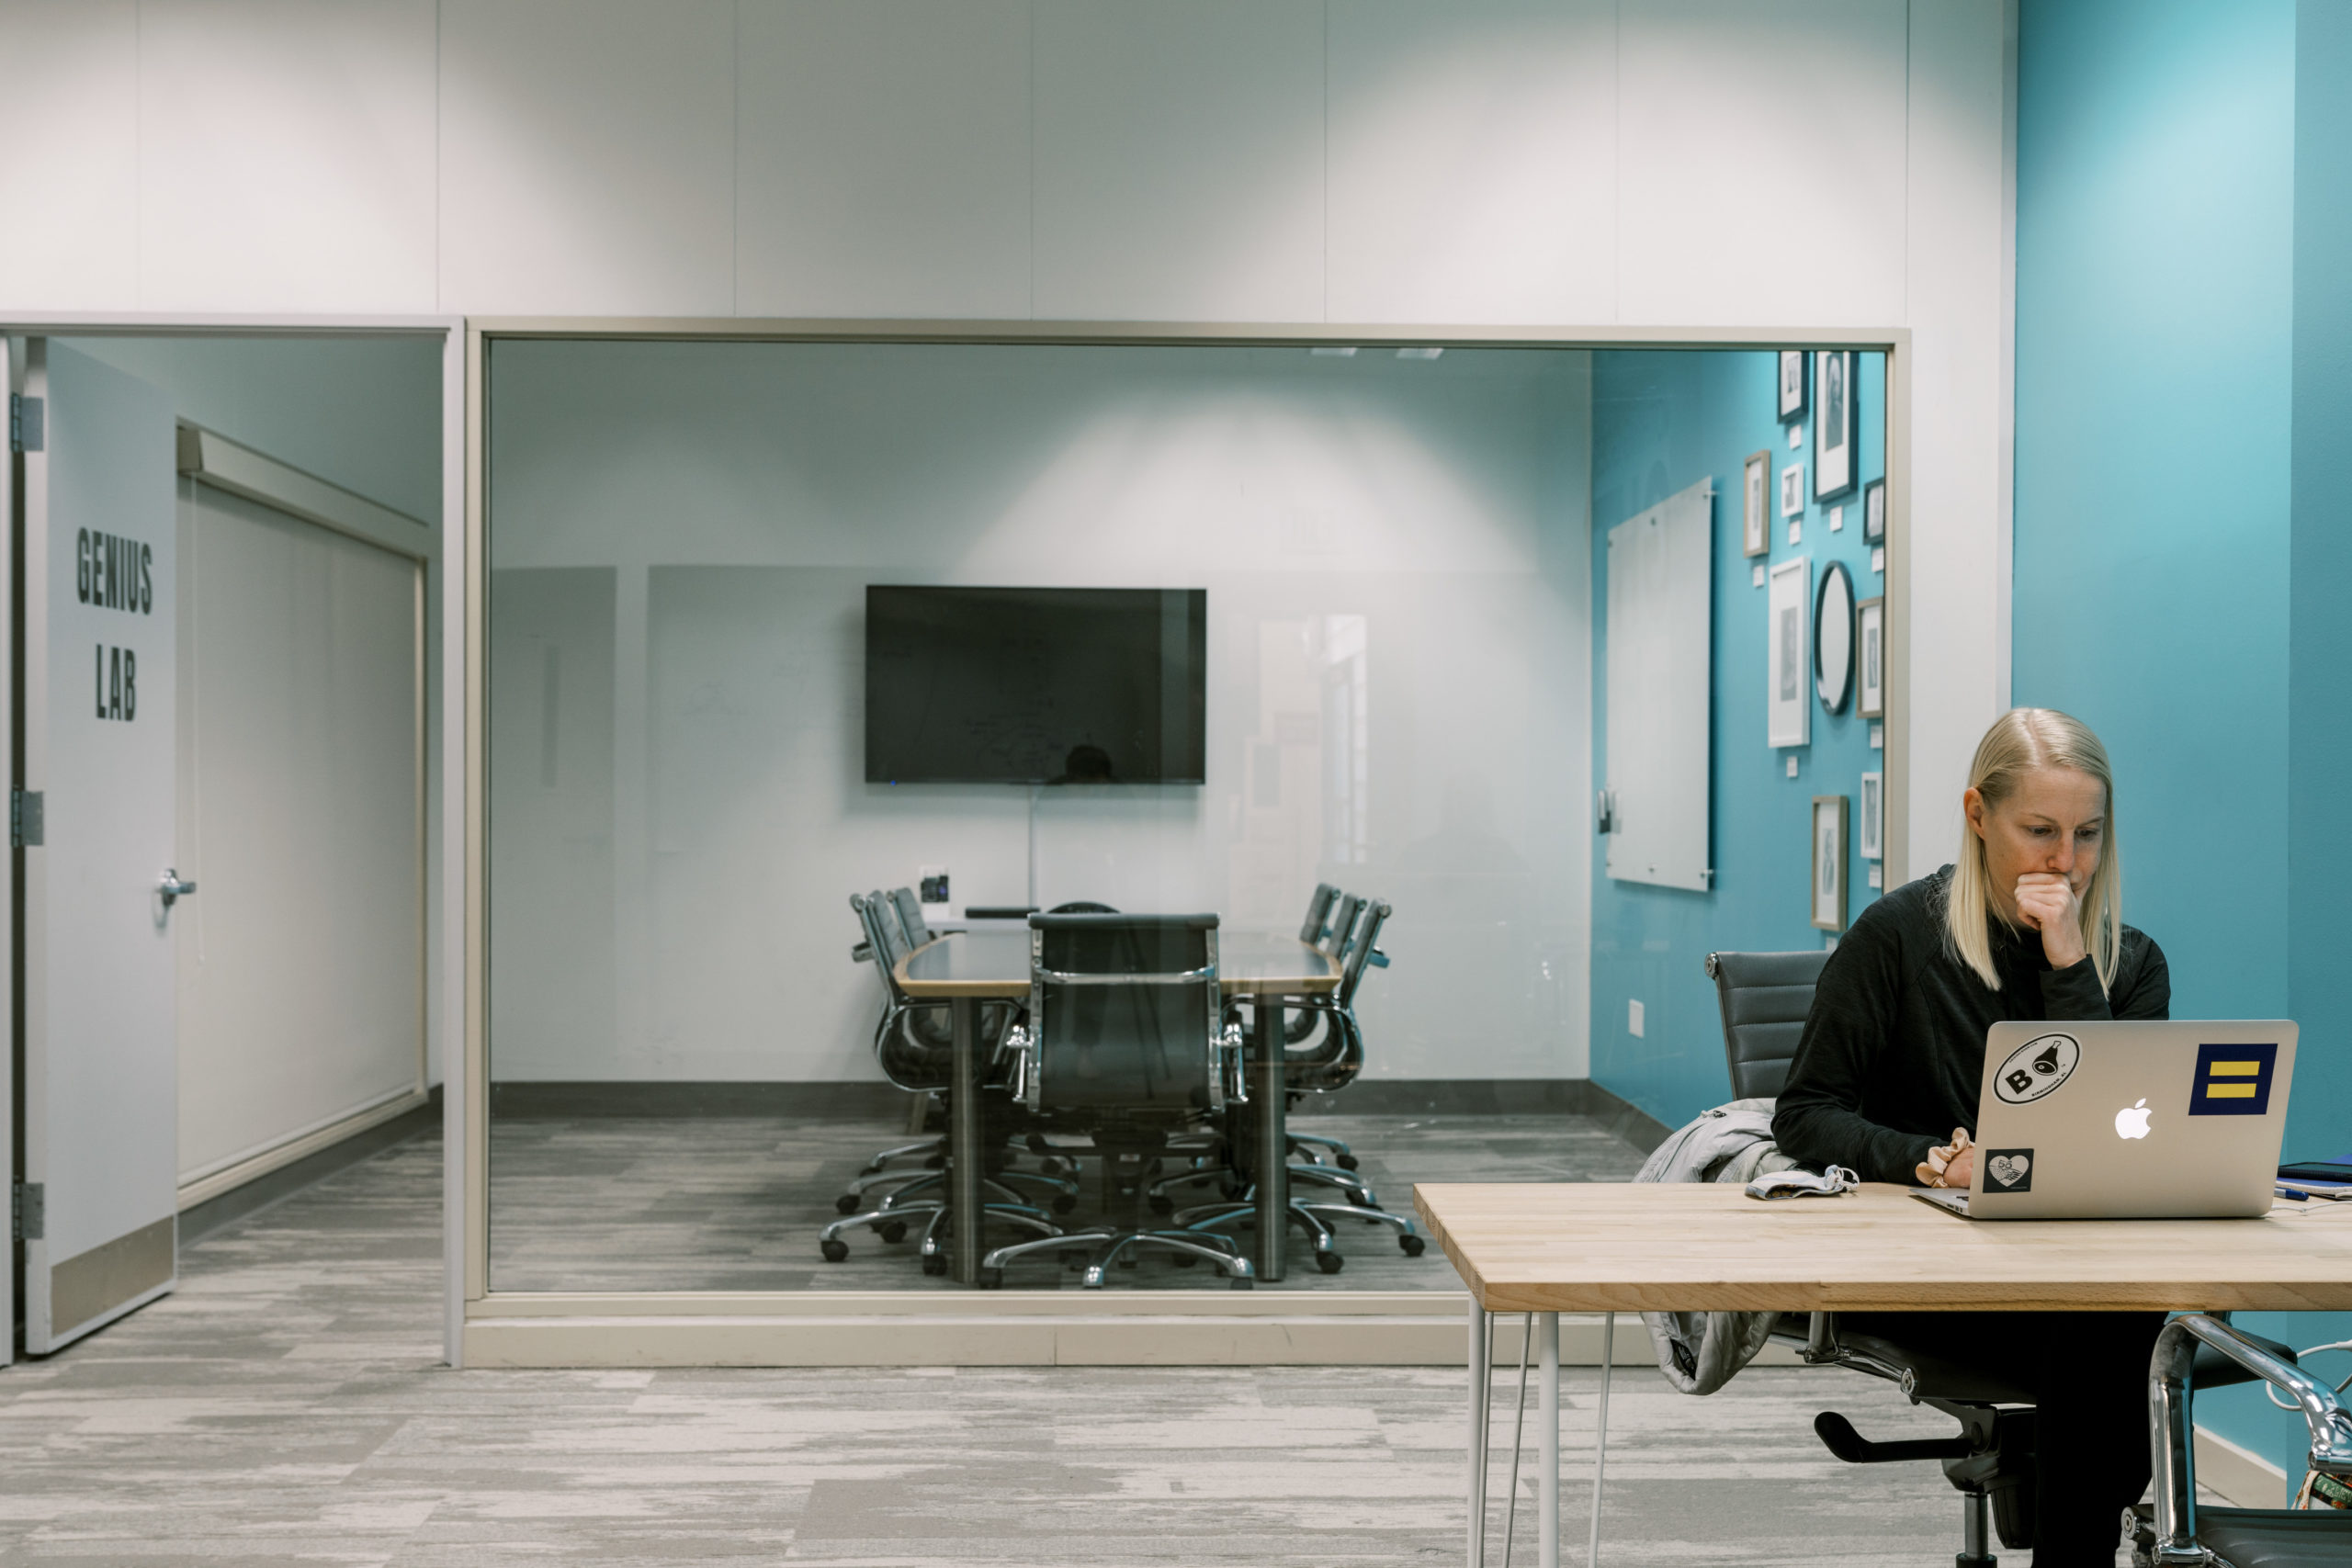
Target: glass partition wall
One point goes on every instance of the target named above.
(1397, 672)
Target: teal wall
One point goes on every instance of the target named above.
(2180, 564)
(1662, 421)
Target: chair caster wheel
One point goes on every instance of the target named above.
(835, 1251)
(935, 1264)
(1411, 1246)
(991, 1279)
(1163, 1205)
(894, 1231)
(1330, 1262)
(1240, 1282)
(1065, 1204)
(1183, 1260)
(1349, 1162)
(845, 1205)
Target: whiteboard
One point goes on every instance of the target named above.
(1660, 647)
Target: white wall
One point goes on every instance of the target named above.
(1797, 162)
(677, 835)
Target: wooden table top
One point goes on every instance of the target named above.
(1706, 1247)
(995, 964)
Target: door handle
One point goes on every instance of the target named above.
(173, 888)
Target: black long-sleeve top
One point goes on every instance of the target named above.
(1892, 1053)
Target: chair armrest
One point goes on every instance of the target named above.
(2170, 1435)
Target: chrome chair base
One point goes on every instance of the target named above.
(1111, 1241)
(890, 1225)
(1357, 1189)
(1313, 1218)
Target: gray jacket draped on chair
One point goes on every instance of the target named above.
(1700, 1351)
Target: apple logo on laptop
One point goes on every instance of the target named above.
(2133, 1122)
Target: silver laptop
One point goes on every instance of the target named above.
(2129, 1121)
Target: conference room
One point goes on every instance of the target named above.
(1386, 665)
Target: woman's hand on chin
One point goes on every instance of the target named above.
(2046, 902)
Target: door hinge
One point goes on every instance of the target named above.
(24, 818)
(29, 1211)
(26, 425)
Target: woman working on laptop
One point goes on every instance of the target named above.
(2027, 924)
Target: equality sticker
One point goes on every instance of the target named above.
(2233, 1080)
(2037, 1068)
(2009, 1170)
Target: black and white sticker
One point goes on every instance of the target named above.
(2009, 1170)
(2036, 1068)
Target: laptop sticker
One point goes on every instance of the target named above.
(2233, 1080)
(2036, 1068)
(2009, 1170)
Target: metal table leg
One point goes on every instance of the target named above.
(965, 1155)
(1273, 1137)
(1481, 1391)
(1547, 1428)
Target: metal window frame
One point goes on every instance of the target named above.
(491, 1327)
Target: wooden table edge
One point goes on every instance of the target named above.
(1008, 990)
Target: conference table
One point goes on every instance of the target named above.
(1547, 1249)
(967, 969)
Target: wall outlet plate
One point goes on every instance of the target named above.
(1634, 1019)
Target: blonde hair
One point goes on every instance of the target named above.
(2020, 742)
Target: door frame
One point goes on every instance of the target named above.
(445, 946)
(515, 1328)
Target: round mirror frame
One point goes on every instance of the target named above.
(1834, 685)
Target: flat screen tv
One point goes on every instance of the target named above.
(1035, 685)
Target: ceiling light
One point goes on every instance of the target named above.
(1419, 352)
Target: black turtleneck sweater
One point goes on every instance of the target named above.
(1892, 1053)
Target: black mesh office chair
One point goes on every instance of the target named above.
(1765, 997)
(1123, 1044)
(913, 1047)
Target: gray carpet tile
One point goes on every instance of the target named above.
(737, 1203)
(285, 1406)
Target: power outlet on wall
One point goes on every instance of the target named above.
(1634, 1019)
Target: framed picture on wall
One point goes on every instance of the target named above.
(1874, 512)
(1834, 425)
(1755, 505)
(1870, 658)
(1792, 403)
(1787, 669)
(1873, 817)
(1792, 491)
(1828, 861)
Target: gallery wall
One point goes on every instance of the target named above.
(1663, 422)
(680, 538)
(2181, 349)
(1539, 162)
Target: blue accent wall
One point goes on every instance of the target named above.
(1662, 421)
(2183, 452)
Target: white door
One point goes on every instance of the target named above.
(301, 972)
(96, 696)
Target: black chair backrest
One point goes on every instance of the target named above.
(1343, 925)
(1125, 1009)
(911, 917)
(1318, 913)
(1765, 997)
(1083, 907)
(1361, 951)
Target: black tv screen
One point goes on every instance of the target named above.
(1035, 685)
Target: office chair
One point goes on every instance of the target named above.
(1122, 1042)
(1318, 914)
(1325, 1072)
(2174, 1528)
(1764, 998)
(1083, 907)
(915, 1052)
(909, 907)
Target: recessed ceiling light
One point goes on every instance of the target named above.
(1419, 352)
(1332, 353)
